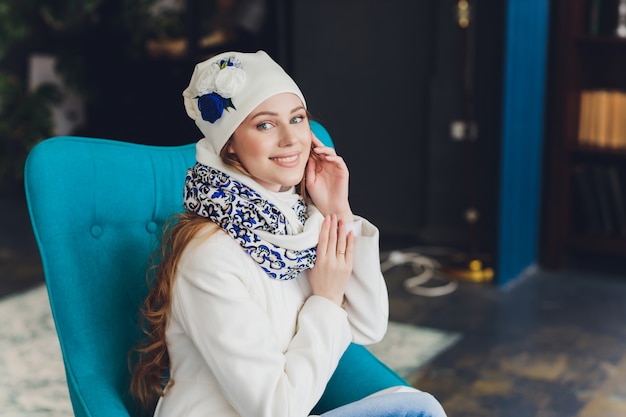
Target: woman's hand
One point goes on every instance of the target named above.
(327, 182)
(329, 276)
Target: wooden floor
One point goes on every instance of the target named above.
(550, 345)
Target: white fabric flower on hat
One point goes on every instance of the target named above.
(223, 77)
(206, 83)
(228, 81)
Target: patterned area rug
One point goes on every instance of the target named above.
(33, 379)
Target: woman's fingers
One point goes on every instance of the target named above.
(333, 266)
(342, 239)
(322, 244)
(335, 240)
(318, 143)
(325, 151)
(345, 242)
(349, 248)
(320, 148)
(327, 244)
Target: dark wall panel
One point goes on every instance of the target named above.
(364, 67)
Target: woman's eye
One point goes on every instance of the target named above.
(297, 119)
(264, 126)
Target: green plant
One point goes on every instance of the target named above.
(82, 35)
(12, 27)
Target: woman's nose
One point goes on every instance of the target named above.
(288, 136)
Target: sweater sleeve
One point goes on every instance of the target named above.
(234, 335)
(367, 300)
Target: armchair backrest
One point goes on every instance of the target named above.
(97, 207)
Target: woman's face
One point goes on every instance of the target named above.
(274, 142)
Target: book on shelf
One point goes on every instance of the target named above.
(599, 201)
(602, 119)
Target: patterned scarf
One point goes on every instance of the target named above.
(248, 218)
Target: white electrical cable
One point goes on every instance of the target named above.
(425, 269)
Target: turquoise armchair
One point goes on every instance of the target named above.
(97, 207)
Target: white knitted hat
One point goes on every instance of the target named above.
(226, 88)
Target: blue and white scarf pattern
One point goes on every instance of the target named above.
(242, 213)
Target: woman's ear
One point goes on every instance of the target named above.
(229, 145)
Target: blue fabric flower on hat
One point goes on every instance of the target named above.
(219, 82)
(212, 106)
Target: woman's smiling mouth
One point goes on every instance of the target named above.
(286, 160)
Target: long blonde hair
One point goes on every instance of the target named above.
(149, 360)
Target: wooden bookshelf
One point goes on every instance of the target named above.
(582, 64)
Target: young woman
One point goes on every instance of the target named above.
(268, 276)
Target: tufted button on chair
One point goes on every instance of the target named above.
(97, 207)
